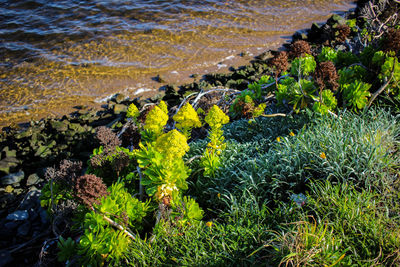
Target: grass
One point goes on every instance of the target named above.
(350, 216)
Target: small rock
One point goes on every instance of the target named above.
(19, 215)
(32, 179)
(160, 79)
(300, 35)
(77, 128)
(336, 19)
(24, 229)
(7, 164)
(24, 134)
(42, 151)
(60, 126)
(119, 108)
(5, 258)
(9, 153)
(12, 178)
(119, 98)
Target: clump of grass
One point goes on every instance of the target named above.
(225, 241)
(345, 148)
(348, 227)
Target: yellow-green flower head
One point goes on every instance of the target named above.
(187, 118)
(216, 117)
(133, 111)
(163, 106)
(259, 110)
(156, 120)
(165, 190)
(173, 144)
(248, 99)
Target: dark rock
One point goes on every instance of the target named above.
(160, 79)
(60, 126)
(19, 215)
(33, 214)
(299, 35)
(24, 134)
(265, 56)
(24, 229)
(12, 225)
(119, 98)
(8, 164)
(32, 179)
(336, 19)
(77, 128)
(12, 178)
(7, 153)
(5, 258)
(157, 97)
(44, 218)
(43, 151)
(31, 200)
(119, 108)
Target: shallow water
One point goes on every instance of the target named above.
(58, 54)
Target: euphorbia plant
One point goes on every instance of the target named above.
(215, 118)
(186, 119)
(163, 167)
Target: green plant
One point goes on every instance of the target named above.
(360, 219)
(186, 211)
(302, 66)
(210, 161)
(132, 112)
(256, 87)
(52, 194)
(309, 244)
(351, 74)
(327, 102)
(164, 169)
(390, 69)
(67, 249)
(356, 94)
(102, 241)
(299, 94)
(327, 54)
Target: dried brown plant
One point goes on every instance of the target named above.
(131, 136)
(120, 162)
(89, 189)
(300, 48)
(342, 32)
(108, 139)
(246, 108)
(392, 40)
(326, 74)
(66, 173)
(280, 62)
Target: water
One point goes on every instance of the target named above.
(58, 54)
